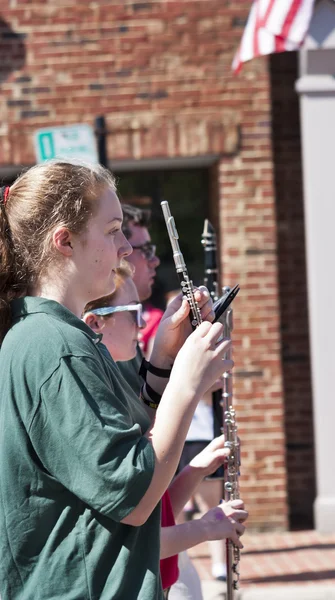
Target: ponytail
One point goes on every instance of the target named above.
(7, 266)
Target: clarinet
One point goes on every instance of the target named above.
(208, 240)
(185, 282)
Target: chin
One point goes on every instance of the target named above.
(146, 294)
(110, 288)
(125, 358)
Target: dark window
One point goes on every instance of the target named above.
(187, 191)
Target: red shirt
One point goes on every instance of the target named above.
(168, 566)
(152, 316)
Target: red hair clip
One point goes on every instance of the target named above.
(4, 192)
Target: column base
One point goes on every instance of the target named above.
(324, 514)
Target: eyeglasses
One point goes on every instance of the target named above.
(133, 308)
(148, 250)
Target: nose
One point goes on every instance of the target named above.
(143, 324)
(125, 248)
(154, 261)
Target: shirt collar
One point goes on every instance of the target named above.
(28, 305)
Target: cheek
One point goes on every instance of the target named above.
(137, 261)
(104, 259)
(123, 337)
(128, 329)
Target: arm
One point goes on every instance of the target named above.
(223, 521)
(205, 463)
(166, 435)
(183, 487)
(177, 538)
(201, 358)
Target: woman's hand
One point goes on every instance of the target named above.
(200, 362)
(175, 326)
(211, 457)
(225, 521)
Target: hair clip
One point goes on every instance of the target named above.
(4, 191)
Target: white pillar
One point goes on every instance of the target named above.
(317, 101)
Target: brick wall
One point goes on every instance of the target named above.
(249, 255)
(160, 73)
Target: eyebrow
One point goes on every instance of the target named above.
(116, 219)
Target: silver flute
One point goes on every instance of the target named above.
(232, 466)
(185, 282)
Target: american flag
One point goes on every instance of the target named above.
(274, 26)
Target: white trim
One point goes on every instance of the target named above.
(309, 84)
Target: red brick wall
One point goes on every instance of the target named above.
(249, 254)
(160, 73)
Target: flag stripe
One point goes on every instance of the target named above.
(267, 12)
(276, 18)
(273, 26)
(301, 23)
(291, 15)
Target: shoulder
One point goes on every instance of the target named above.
(39, 341)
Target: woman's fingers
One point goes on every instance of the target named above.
(203, 329)
(181, 313)
(201, 295)
(240, 528)
(205, 303)
(240, 515)
(237, 531)
(235, 538)
(217, 443)
(235, 509)
(227, 365)
(238, 503)
(211, 332)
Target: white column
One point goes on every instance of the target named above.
(317, 101)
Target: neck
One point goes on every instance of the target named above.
(59, 290)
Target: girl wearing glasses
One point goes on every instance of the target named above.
(82, 467)
(118, 318)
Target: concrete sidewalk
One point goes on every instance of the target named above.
(290, 566)
(213, 590)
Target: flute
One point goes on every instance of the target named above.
(232, 467)
(185, 282)
(223, 410)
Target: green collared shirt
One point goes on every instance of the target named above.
(130, 371)
(74, 463)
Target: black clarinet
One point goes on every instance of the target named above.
(208, 240)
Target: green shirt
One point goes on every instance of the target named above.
(130, 371)
(74, 463)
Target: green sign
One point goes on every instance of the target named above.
(69, 142)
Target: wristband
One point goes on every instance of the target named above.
(147, 366)
(151, 402)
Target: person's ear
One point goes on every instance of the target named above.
(95, 322)
(62, 239)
